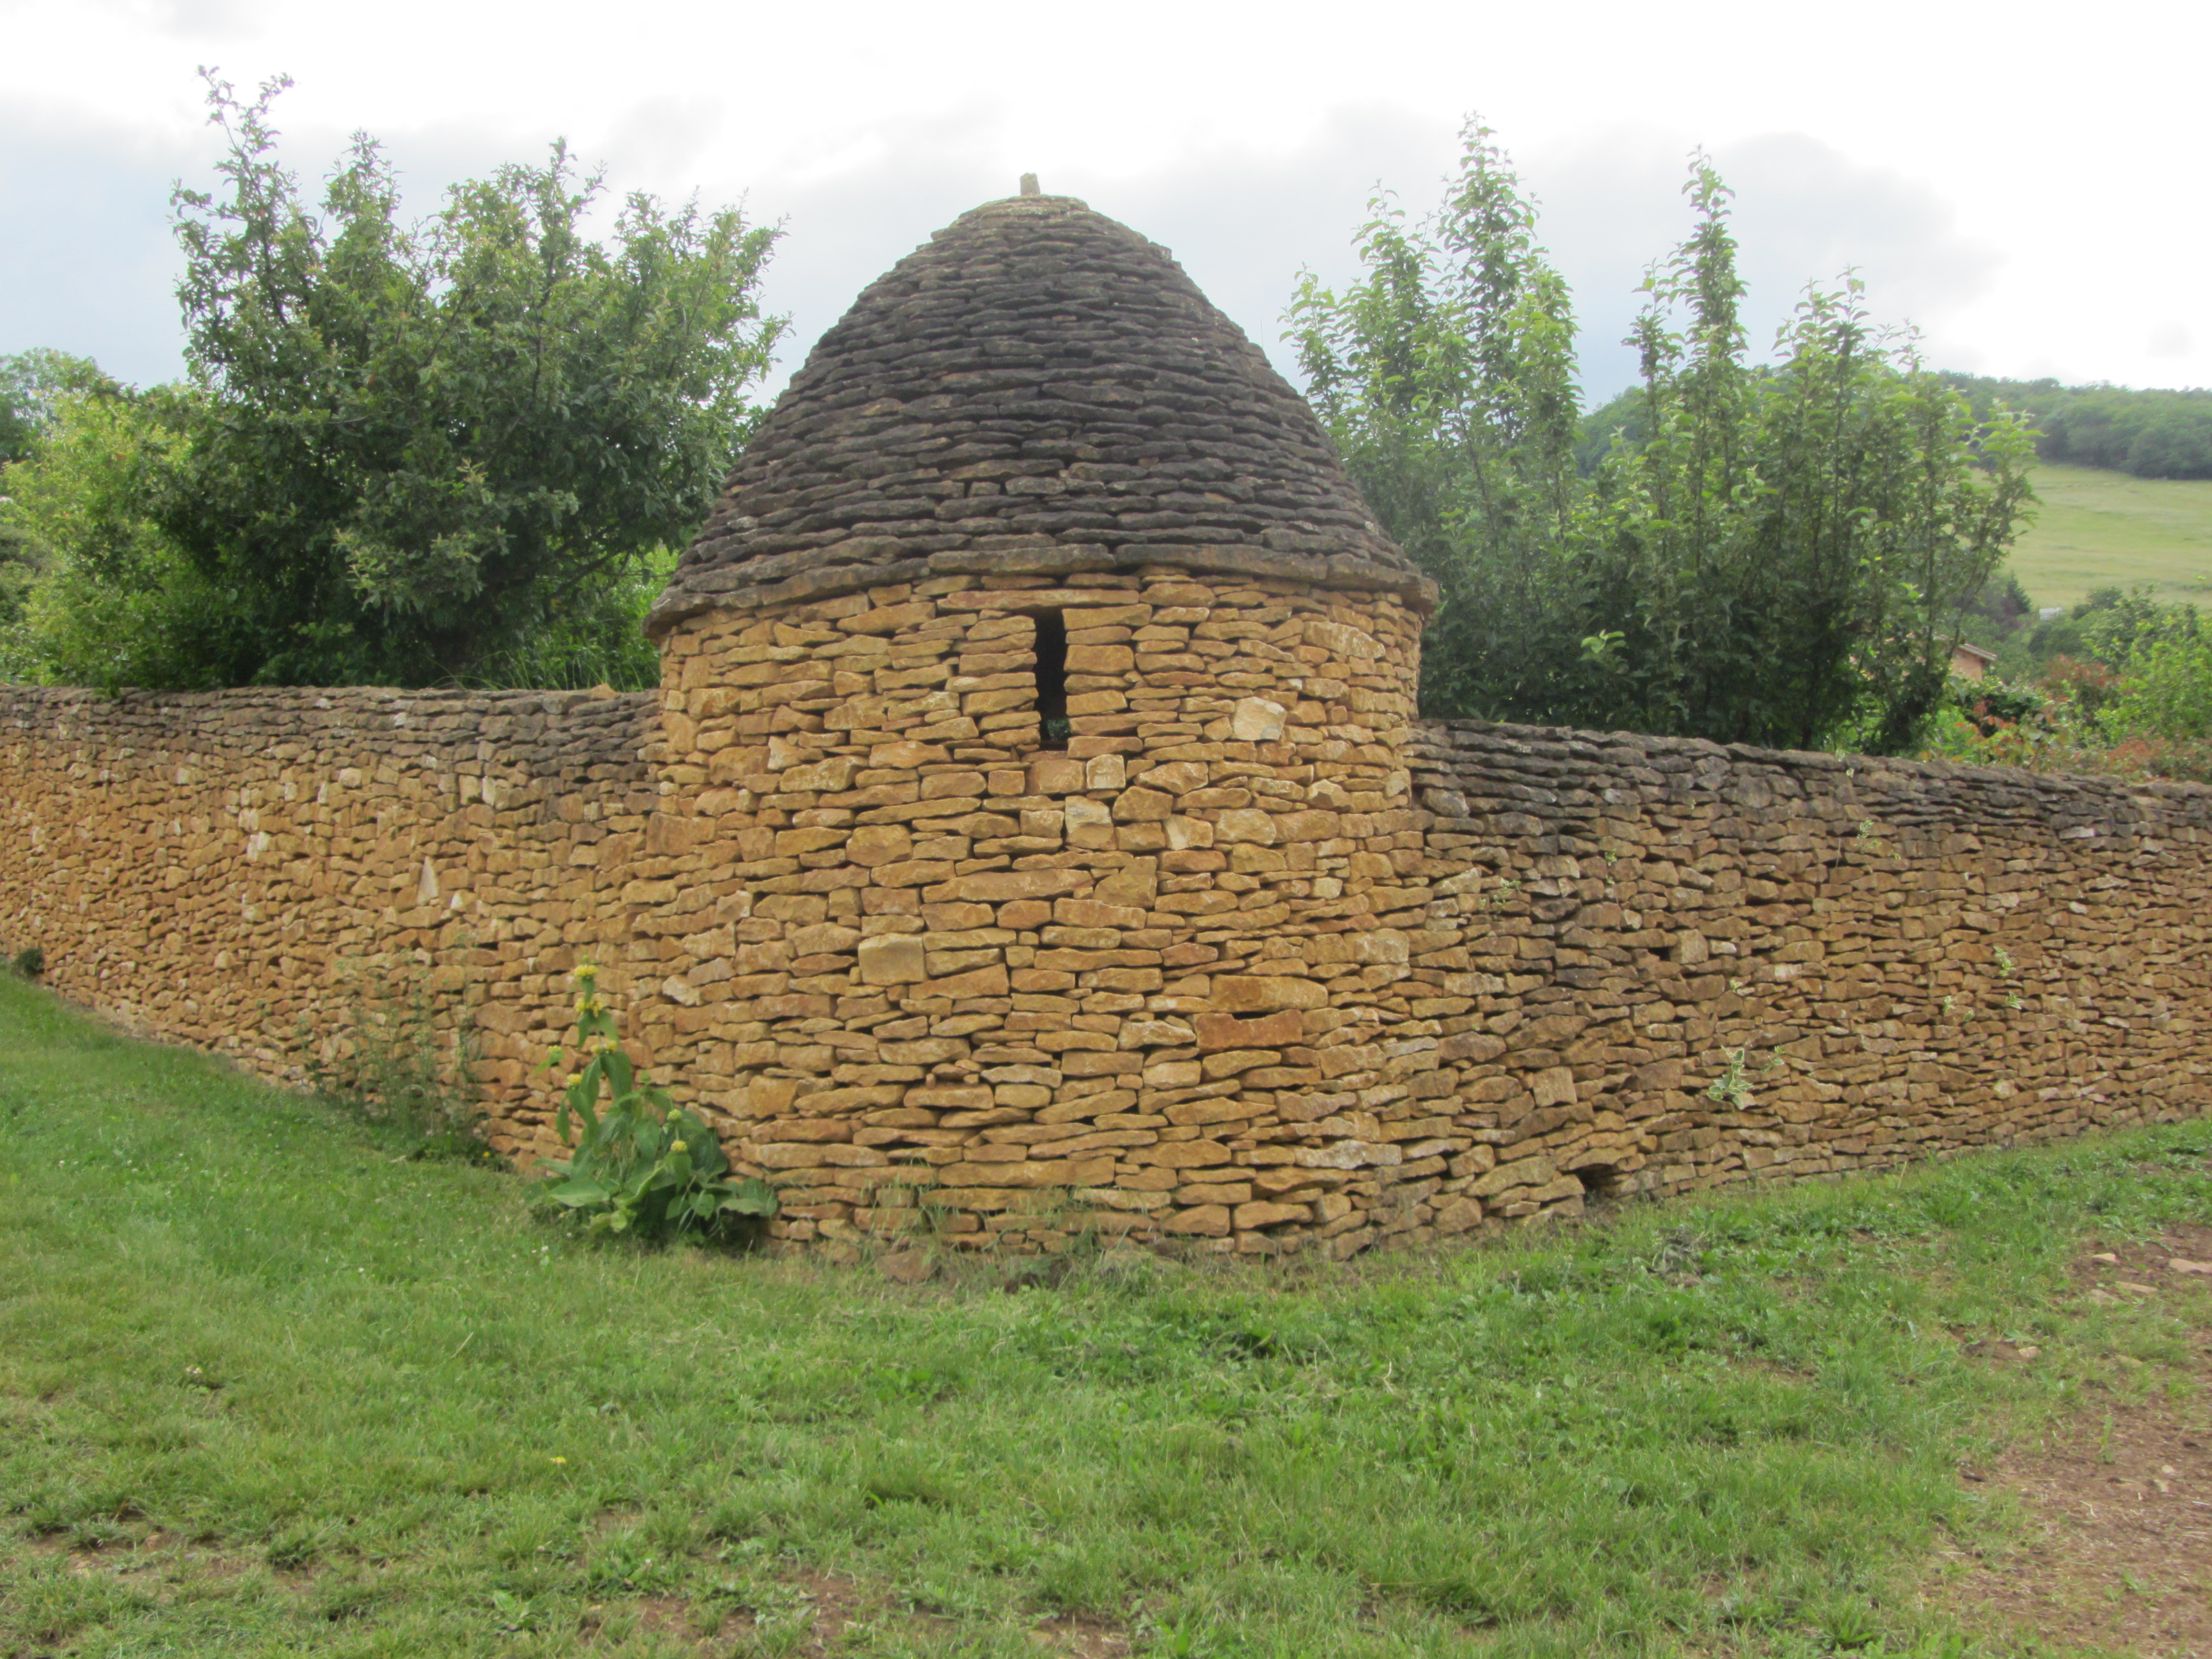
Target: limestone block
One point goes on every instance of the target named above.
(988, 981)
(828, 776)
(1246, 824)
(904, 755)
(1256, 993)
(1261, 1213)
(1535, 1172)
(875, 844)
(1553, 1086)
(894, 959)
(1139, 804)
(995, 887)
(1056, 774)
(825, 938)
(1337, 1155)
(1184, 833)
(1275, 1030)
(1256, 720)
(1089, 823)
(1182, 1155)
(1457, 1214)
(1100, 659)
(1204, 1219)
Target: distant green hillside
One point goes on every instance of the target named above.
(2098, 528)
(2152, 433)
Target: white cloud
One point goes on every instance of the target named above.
(1803, 212)
(1245, 142)
(2168, 340)
(87, 261)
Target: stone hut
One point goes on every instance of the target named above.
(1048, 683)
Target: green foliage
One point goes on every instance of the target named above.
(1617, 424)
(1446, 376)
(31, 385)
(1732, 1088)
(2166, 692)
(102, 596)
(32, 390)
(2120, 685)
(641, 1165)
(2150, 434)
(36, 388)
(2001, 609)
(453, 452)
(1782, 555)
(30, 961)
(598, 640)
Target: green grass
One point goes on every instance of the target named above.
(2098, 528)
(267, 1390)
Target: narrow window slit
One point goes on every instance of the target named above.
(1053, 728)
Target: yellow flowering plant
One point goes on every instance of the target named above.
(641, 1164)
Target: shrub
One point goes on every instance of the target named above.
(643, 1165)
(388, 1070)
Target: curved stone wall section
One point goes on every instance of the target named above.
(1654, 965)
(241, 870)
(978, 974)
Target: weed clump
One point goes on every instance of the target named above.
(388, 1070)
(642, 1166)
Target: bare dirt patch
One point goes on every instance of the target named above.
(2119, 1499)
(822, 1610)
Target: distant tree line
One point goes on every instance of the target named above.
(459, 451)
(2151, 435)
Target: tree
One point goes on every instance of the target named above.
(36, 387)
(1780, 554)
(99, 595)
(32, 383)
(417, 451)
(1447, 377)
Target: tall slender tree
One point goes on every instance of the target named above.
(1776, 554)
(1447, 375)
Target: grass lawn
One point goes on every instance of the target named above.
(268, 1390)
(2098, 528)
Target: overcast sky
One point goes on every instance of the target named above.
(2028, 184)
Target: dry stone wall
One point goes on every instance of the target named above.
(1654, 965)
(1033, 830)
(1257, 962)
(253, 871)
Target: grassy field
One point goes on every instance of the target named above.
(269, 1388)
(2099, 529)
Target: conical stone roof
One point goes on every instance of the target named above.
(1038, 390)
